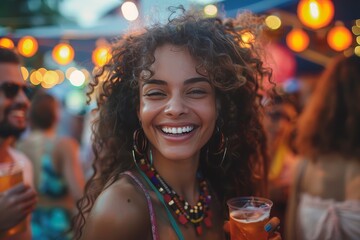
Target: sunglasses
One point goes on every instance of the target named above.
(12, 89)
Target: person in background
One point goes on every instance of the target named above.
(16, 203)
(281, 114)
(178, 132)
(59, 178)
(325, 197)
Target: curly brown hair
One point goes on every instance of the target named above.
(330, 122)
(236, 73)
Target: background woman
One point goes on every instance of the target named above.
(325, 200)
(59, 178)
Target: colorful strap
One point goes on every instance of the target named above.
(154, 230)
(161, 199)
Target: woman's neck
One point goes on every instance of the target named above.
(180, 175)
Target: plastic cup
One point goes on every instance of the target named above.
(11, 174)
(248, 216)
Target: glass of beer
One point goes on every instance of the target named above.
(248, 216)
(11, 174)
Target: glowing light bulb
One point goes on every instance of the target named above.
(6, 43)
(297, 40)
(129, 11)
(27, 46)
(315, 13)
(63, 53)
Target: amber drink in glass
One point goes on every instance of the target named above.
(248, 216)
(11, 174)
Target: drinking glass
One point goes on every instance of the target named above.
(248, 216)
(11, 174)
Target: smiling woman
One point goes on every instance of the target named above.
(178, 132)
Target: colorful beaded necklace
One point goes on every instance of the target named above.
(184, 212)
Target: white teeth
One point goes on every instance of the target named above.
(178, 130)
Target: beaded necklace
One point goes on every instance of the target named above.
(184, 212)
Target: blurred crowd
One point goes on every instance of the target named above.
(313, 144)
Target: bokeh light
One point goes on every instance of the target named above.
(297, 40)
(273, 22)
(77, 78)
(75, 101)
(6, 43)
(27, 46)
(101, 55)
(63, 53)
(355, 30)
(247, 39)
(357, 50)
(210, 10)
(339, 38)
(25, 73)
(129, 11)
(315, 13)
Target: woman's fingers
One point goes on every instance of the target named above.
(271, 227)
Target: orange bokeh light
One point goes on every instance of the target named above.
(63, 53)
(315, 13)
(6, 43)
(27, 46)
(339, 38)
(297, 40)
(101, 55)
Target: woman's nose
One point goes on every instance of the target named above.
(176, 106)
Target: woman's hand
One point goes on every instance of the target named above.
(271, 227)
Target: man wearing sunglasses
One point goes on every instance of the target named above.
(17, 202)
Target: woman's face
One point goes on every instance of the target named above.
(177, 105)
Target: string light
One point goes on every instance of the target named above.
(297, 40)
(25, 73)
(357, 50)
(210, 10)
(273, 22)
(63, 53)
(339, 38)
(129, 11)
(27, 46)
(6, 43)
(315, 13)
(247, 39)
(101, 55)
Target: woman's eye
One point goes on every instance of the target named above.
(154, 94)
(197, 92)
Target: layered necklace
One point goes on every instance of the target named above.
(185, 213)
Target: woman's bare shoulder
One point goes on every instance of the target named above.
(120, 212)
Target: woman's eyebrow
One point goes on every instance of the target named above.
(154, 81)
(196, 80)
(187, 81)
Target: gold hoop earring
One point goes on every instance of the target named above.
(140, 142)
